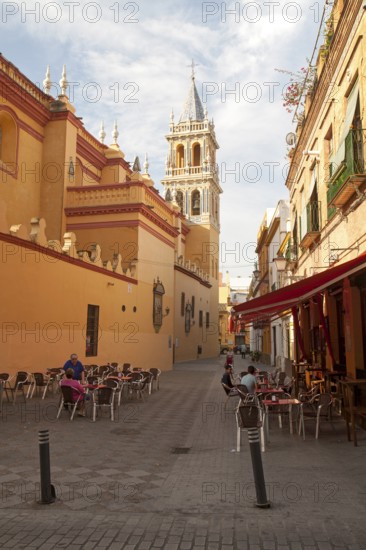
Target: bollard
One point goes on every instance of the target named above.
(47, 490)
(249, 419)
(255, 452)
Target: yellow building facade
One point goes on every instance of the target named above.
(93, 259)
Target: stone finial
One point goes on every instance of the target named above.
(102, 133)
(20, 231)
(47, 83)
(206, 113)
(146, 164)
(117, 264)
(69, 247)
(136, 165)
(96, 254)
(37, 234)
(115, 133)
(172, 117)
(63, 82)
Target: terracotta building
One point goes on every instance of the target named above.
(93, 259)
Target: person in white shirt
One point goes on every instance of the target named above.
(249, 380)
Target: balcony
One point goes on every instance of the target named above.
(291, 254)
(310, 224)
(350, 175)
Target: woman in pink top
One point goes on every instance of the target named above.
(77, 389)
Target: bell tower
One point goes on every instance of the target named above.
(191, 179)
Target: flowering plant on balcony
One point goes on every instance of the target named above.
(301, 83)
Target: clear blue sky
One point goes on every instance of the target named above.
(129, 61)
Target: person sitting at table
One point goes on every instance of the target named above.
(249, 380)
(227, 380)
(77, 389)
(77, 368)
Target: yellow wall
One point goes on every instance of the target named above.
(44, 312)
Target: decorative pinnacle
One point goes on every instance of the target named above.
(63, 82)
(47, 83)
(102, 133)
(146, 164)
(115, 133)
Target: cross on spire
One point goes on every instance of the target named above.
(193, 65)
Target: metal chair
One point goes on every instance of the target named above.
(22, 379)
(67, 401)
(156, 374)
(137, 384)
(149, 379)
(319, 408)
(39, 380)
(116, 387)
(103, 398)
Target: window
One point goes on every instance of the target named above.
(182, 303)
(187, 320)
(196, 154)
(200, 318)
(193, 304)
(92, 325)
(180, 156)
(207, 319)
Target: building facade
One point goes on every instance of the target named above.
(323, 278)
(93, 259)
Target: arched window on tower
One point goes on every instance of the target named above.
(196, 154)
(8, 141)
(180, 156)
(195, 203)
(168, 196)
(179, 198)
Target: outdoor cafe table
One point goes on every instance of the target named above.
(276, 405)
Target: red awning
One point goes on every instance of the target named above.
(284, 298)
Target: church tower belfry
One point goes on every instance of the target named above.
(191, 174)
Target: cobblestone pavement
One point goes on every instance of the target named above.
(165, 475)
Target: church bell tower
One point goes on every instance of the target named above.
(192, 181)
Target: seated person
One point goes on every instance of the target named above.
(228, 380)
(249, 380)
(77, 389)
(78, 371)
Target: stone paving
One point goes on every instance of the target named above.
(165, 475)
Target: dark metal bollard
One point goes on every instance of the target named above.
(47, 490)
(249, 419)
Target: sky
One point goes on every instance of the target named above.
(130, 62)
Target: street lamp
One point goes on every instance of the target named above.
(256, 272)
(280, 262)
